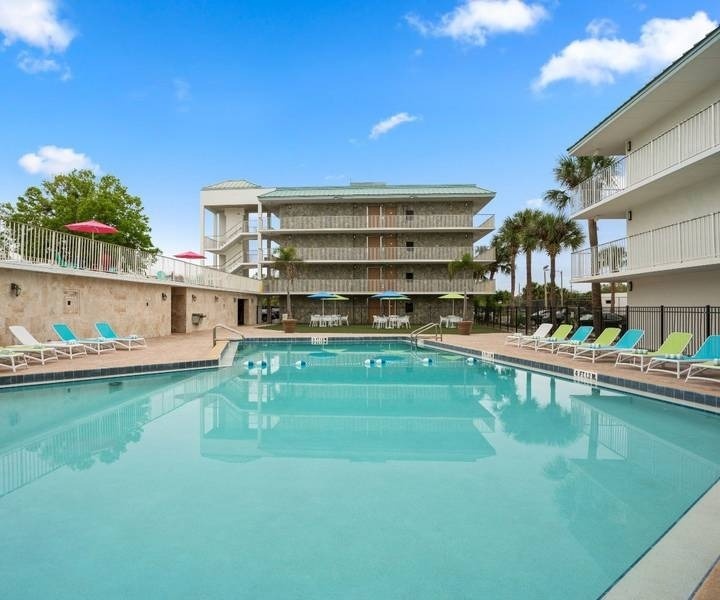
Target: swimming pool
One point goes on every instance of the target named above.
(348, 470)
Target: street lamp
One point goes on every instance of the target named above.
(562, 294)
(545, 268)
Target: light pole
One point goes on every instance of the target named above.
(545, 268)
(562, 294)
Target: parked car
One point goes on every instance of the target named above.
(274, 315)
(609, 319)
(544, 316)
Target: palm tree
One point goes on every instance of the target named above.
(558, 233)
(286, 261)
(465, 264)
(529, 220)
(570, 172)
(507, 246)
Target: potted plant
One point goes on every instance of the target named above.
(286, 261)
(464, 264)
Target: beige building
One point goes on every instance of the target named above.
(354, 240)
(665, 185)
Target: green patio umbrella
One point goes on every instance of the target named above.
(452, 296)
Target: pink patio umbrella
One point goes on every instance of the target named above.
(191, 254)
(92, 227)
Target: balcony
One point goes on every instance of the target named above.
(37, 248)
(674, 159)
(688, 244)
(384, 222)
(372, 286)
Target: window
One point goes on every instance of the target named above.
(408, 308)
(409, 214)
(409, 246)
(409, 275)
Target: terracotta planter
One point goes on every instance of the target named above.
(289, 325)
(464, 327)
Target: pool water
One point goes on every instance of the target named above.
(341, 471)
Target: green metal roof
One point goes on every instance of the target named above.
(232, 184)
(358, 190)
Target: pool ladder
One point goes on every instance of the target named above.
(240, 336)
(427, 329)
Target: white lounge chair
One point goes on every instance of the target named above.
(9, 359)
(518, 338)
(64, 349)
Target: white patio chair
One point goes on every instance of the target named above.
(314, 320)
(345, 320)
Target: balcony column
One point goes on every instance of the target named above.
(259, 240)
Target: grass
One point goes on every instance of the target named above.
(368, 329)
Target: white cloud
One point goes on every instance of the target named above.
(534, 203)
(601, 27)
(34, 22)
(386, 125)
(33, 64)
(474, 20)
(599, 60)
(51, 160)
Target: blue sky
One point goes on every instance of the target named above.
(172, 96)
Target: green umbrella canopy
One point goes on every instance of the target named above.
(452, 296)
(338, 297)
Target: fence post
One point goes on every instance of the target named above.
(707, 320)
(662, 323)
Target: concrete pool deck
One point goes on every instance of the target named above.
(691, 560)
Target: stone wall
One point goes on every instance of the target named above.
(142, 308)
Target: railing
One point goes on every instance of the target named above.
(687, 139)
(355, 222)
(671, 246)
(22, 244)
(369, 286)
(387, 253)
(425, 329)
(238, 334)
(213, 242)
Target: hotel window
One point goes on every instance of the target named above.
(409, 214)
(409, 246)
(409, 275)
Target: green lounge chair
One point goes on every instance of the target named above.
(606, 337)
(97, 345)
(672, 347)
(36, 353)
(10, 359)
(703, 370)
(580, 335)
(66, 350)
(709, 351)
(126, 343)
(540, 332)
(559, 335)
(594, 352)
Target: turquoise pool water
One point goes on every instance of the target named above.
(313, 474)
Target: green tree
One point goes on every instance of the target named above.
(81, 196)
(530, 221)
(507, 246)
(557, 233)
(464, 265)
(570, 172)
(286, 261)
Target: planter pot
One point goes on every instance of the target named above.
(464, 327)
(289, 325)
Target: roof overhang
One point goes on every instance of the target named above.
(688, 76)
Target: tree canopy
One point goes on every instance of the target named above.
(81, 196)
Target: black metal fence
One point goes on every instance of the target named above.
(657, 321)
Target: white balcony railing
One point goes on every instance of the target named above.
(700, 133)
(668, 247)
(22, 244)
(372, 286)
(355, 222)
(214, 242)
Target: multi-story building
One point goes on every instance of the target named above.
(665, 184)
(355, 240)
